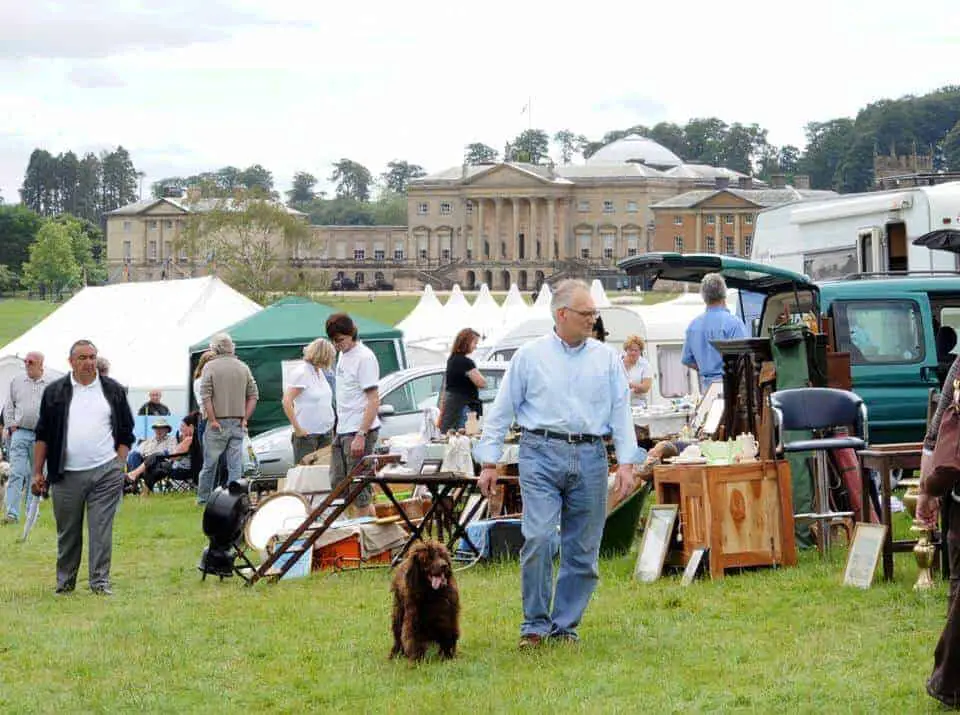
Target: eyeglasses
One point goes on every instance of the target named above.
(584, 313)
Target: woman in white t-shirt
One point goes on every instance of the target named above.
(308, 400)
(638, 370)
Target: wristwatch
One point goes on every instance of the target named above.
(361, 433)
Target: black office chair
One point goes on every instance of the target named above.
(820, 410)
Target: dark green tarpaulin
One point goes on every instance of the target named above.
(280, 332)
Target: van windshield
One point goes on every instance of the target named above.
(881, 331)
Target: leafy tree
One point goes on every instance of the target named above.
(827, 143)
(247, 237)
(52, 266)
(742, 146)
(788, 159)
(390, 209)
(8, 280)
(39, 190)
(342, 211)
(68, 183)
(254, 178)
(478, 153)
(353, 180)
(302, 190)
(669, 135)
(119, 179)
(18, 229)
(398, 175)
(951, 148)
(89, 247)
(569, 144)
(89, 179)
(531, 146)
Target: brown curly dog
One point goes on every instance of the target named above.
(426, 603)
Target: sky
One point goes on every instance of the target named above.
(194, 85)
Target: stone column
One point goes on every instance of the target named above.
(478, 234)
(699, 233)
(459, 248)
(515, 243)
(551, 222)
(532, 230)
(497, 238)
(737, 245)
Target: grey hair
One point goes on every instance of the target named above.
(564, 291)
(713, 288)
(222, 344)
(81, 344)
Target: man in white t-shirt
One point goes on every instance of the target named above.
(358, 402)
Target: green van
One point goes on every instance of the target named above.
(900, 330)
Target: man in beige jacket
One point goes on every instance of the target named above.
(229, 395)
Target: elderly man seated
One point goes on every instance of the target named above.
(168, 457)
(162, 440)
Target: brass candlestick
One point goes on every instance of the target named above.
(924, 551)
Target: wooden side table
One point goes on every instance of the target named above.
(743, 513)
(883, 458)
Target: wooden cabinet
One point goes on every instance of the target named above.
(743, 513)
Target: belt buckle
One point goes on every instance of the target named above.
(573, 438)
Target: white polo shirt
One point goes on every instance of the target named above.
(357, 371)
(89, 433)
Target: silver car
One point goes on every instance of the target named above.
(403, 396)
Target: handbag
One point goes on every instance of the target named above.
(945, 470)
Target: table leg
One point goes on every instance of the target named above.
(416, 531)
(865, 493)
(887, 519)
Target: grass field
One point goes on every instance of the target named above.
(18, 315)
(792, 640)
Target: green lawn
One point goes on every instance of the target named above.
(792, 640)
(18, 315)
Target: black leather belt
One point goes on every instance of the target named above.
(565, 436)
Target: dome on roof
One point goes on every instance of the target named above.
(635, 149)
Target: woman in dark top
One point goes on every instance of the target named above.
(463, 383)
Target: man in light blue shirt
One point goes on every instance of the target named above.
(715, 323)
(567, 392)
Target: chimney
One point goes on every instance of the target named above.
(745, 182)
(801, 181)
(778, 181)
(722, 182)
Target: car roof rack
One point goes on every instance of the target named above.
(898, 274)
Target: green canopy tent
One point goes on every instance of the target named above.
(279, 332)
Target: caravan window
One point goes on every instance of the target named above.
(673, 376)
(881, 331)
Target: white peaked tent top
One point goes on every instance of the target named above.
(487, 315)
(424, 317)
(456, 315)
(144, 329)
(541, 306)
(598, 294)
(515, 309)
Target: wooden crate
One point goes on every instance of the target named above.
(344, 554)
(743, 513)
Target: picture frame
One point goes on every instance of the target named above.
(693, 566)
(863, 554)
(706, 413)
(655, 542)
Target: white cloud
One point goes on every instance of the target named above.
(295, 86)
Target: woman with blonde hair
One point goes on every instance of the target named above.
(308, 400)
(638, 370)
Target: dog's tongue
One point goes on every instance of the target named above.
(437, 581)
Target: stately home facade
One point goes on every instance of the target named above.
(498, 223)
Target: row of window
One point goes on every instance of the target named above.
(153, 225)
(710, 245)
(711, 219)
(152, 248)
(583, 206)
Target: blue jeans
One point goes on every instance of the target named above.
(21, 470)
(561, 484)
(229, 439)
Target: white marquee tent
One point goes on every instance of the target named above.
(144, 329)
(598, 294)
(486, 316)
(515, 309)
(423, 320)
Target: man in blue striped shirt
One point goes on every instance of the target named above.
(715, 323)
(567, 392)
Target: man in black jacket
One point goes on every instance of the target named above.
(84, 432)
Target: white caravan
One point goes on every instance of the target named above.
(860, 233)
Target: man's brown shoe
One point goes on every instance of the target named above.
(530, 641)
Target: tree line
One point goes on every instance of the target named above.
(86, 188)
